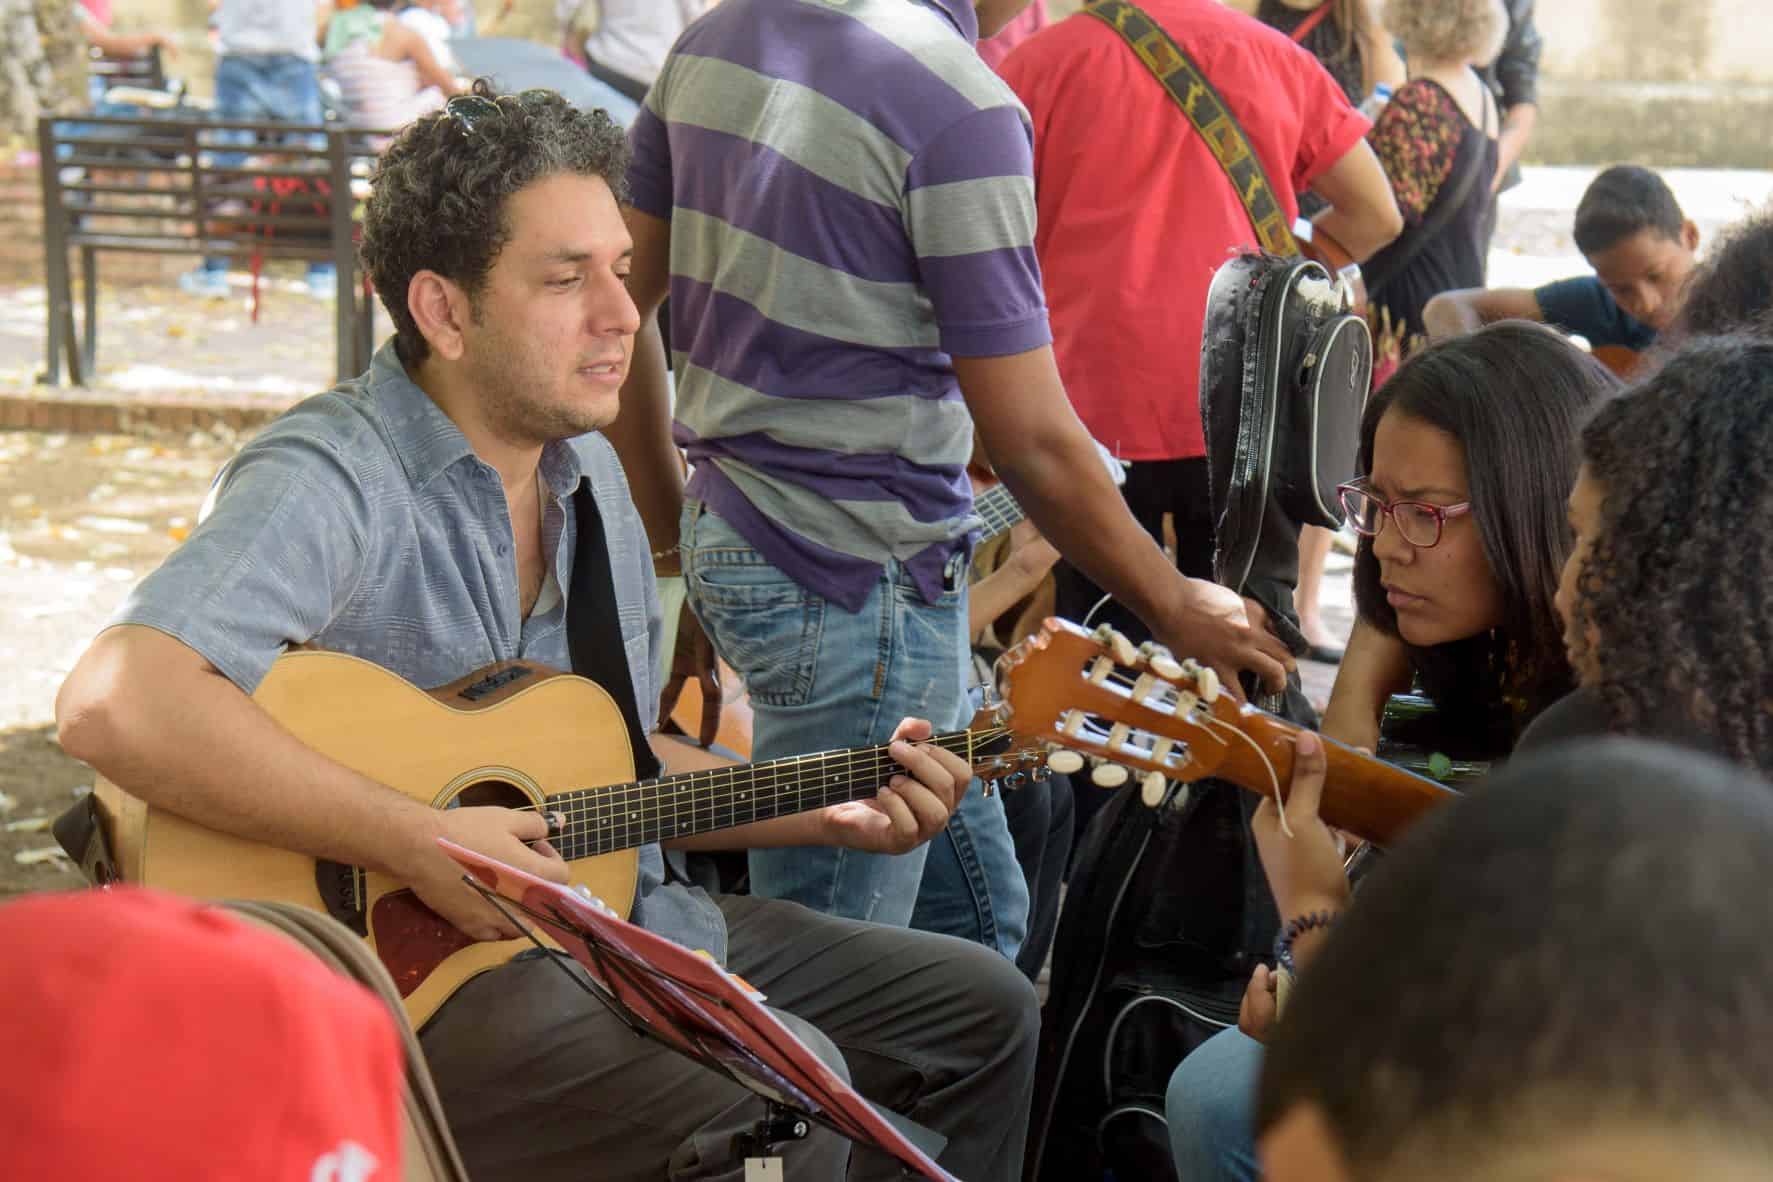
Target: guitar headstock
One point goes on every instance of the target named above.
(1004, 759)
(1095, 696)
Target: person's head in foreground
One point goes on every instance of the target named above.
(1468, 456)
(1668, 594)
(151, 1037)
(1561, 978)
(1632, 232)
(495, 239)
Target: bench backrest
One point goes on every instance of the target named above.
(176, 184)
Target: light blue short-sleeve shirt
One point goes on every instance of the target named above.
(362, 522)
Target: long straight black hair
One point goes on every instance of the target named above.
(1514, 396)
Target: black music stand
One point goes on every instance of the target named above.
(685, 1001)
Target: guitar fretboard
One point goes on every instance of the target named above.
(623, 816)
(999, 509)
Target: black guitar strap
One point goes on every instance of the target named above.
(593, 629)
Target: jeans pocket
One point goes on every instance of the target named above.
(764, 624)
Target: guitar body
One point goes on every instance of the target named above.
(1621, 360)
(513, 744)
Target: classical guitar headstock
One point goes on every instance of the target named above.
(1095, 697)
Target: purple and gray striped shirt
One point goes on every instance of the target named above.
(851, 198)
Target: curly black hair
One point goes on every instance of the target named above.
(1733, 288)
(1513, 395)
(437, 201)
(1674, 604)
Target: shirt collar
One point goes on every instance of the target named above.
(428, 442)
(963, 14)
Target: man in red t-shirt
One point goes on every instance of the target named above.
(1136, 215)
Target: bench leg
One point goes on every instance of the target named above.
(59, 315)
(89, 330)
(344, 322)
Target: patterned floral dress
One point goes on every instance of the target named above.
(1434, 157)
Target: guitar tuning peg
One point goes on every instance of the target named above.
(1123, 649)
(1065, 762)
(1208, 681)
(1165, 666)
(1108, 775)
(1151, 789)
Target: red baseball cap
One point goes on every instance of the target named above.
(151, 1037)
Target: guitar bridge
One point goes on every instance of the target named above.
(341, 890)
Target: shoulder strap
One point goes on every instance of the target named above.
(593, 632)
(1208, 113)
(1313, 21)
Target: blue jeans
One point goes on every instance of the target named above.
(1211, 1109)
(273, 87)
(822, 678)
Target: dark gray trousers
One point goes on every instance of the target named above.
(540, 1082)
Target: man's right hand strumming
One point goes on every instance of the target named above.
(517, 837)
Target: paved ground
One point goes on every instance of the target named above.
(81, 518)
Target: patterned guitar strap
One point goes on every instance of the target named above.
(1209, 115)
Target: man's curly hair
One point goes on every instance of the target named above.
(1674, 605)
(437, 201)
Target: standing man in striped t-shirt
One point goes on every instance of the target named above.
(838, 196)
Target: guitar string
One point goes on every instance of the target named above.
(839, 763)
(839, 778)
(765, 777)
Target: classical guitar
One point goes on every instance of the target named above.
(1139, 710)
(516, 734)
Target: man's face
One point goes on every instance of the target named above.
(1646, 272)
(553, 328)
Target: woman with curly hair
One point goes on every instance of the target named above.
(1668, 594)
(1438, 142)
(1469, 455)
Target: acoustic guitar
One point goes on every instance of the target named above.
(516, 734)
(1139, 710)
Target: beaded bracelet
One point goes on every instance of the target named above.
(1296, 927)
(667, 552)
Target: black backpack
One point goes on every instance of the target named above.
(1166, 916)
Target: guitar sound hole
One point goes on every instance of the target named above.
(500, 793)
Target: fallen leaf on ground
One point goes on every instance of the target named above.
(48, 853)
